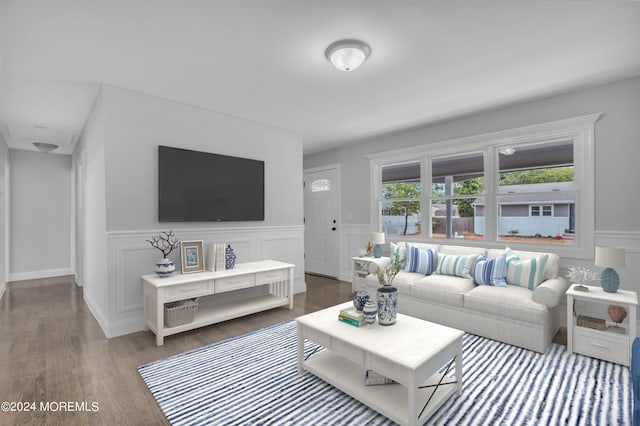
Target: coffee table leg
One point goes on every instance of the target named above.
(300, 347)
(459, 369)
(412, 391)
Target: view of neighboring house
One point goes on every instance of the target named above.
(543, 209)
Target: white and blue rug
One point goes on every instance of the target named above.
(253, 379)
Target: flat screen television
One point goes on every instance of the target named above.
(203, 187)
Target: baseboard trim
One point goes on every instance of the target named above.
(97, 314)
(33, 275)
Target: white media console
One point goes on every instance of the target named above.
(248, 288)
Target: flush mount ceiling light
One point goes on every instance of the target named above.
(507, 151)
(347, 55)
(45, 147)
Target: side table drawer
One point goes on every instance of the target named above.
(186, 291)
(271, 276)
(235, 283)
(601, 344)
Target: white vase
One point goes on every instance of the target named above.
(165, 267)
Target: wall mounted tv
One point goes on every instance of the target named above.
(203, 187)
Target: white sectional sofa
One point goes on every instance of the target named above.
(514, 314)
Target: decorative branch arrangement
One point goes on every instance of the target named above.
(386, 275)
(166, 242)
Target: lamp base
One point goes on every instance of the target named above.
(377, 251)
(609, 280)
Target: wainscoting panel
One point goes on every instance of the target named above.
(130, 257)
(354, 238)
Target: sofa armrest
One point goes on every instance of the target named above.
(550, 292)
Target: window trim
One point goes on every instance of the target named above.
(581, 130)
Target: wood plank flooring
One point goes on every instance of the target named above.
(53, 351)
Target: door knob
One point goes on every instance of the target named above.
(333, 229)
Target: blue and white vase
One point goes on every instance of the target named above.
(165, 267)
(370, 311)
(387, 305)
(360, 297)
(229, 258)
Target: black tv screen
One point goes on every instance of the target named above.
(203, 187)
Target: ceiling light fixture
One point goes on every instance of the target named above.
(507, 151)
(45, 147)
(347, 55)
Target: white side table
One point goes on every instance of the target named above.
(361, 268)
(603, 344)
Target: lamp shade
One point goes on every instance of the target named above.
(377, 238)
(610, 257)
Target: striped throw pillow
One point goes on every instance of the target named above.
(396, 250)
(459, 266)
(421, 261)
(491, 272)
(525, 273)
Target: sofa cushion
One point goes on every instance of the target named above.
(403, 281)
(525, 273)
(410, 249)
(443, 289)
(405, 278)
(421, 261)
(510, 302)
(491, 272)
(551, 268)
(459, 266)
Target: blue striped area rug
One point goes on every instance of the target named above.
(253, 379)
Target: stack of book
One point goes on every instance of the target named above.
(215, 257)
(351, 316)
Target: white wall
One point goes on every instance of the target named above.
(91, 221)
(4, 214)
(133, 126)
(40, 214)
(617, 151)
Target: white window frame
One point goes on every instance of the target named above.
(580, 130)
(540, 210)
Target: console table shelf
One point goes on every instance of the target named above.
(248, 288)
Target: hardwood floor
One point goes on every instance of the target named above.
(53, 352)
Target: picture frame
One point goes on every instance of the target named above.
(191, 256)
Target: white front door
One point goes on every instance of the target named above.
(321, 211)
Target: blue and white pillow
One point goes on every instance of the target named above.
(491, 272)
(525, 273)
(396, 250)
(421, 261)
(459, 266)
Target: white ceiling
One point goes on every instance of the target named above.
(263, 60)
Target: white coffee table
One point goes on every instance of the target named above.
(409, 352)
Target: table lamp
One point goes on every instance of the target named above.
(609, 258)
(377, 238)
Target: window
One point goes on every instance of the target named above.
(527, 186)
(456, 182)
(400, 196)
(320, 185)
(533, 178)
